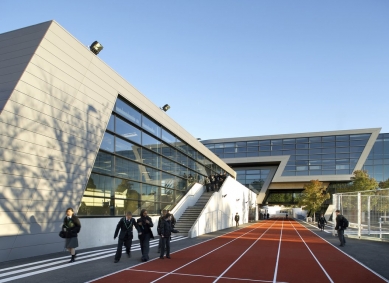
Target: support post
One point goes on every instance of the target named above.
(359, 215)
(368, 215)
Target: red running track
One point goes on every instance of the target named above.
(275, 250)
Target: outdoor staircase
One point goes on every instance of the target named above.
(190, 215)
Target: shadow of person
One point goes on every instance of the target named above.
(35, 228)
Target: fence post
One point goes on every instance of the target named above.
(359, 215)
(368, 215)
(380, 228)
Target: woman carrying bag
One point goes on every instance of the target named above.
(71, 227)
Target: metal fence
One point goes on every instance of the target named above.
(366, 211)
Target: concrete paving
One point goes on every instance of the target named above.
(94, 263)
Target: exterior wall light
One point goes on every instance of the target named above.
(96, 47)
(166, 107)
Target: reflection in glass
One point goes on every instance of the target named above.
(151, 143)
(107, 143)
(128, 131)
(151, 126)
(127, 149)
(127, 111)
(127, 169)
(103, 163)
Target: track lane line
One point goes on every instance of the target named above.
(318, 262)
(232, 264)
(142, 263)
(171, 272)
(278, 254)
(79, 261)
(349, 256)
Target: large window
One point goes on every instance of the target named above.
(140, 165)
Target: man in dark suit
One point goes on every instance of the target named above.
(339, 228)
(125, 226)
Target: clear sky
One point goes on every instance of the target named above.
(239, 68)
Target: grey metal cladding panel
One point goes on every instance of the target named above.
(9, 180)
(26, 141)
(35, 87)
(7, 86)
(11, 193)
(38, 129)
(2, 105)
(30, 251)
(14, 55)
(12, 77)
(30, 45)
(38, 29)
(6, 242)
(55, 119)
(35, 239)
(70, 112)
(17, 68)
(15, 204)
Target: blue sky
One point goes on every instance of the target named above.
(239, 68)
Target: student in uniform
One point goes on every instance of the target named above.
(125, 226)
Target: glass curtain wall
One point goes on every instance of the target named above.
(377, 163)
(326, 155)
(139, 165)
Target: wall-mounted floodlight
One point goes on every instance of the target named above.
(246, 201)
(166, 107)
(224, 195)
(96, 47)
(238, 199)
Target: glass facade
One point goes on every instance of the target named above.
(377, 163)
(253, 177)
(325, 155)
(141, 164)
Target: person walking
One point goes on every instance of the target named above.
(145, 223)
(207, 183)
(166, 233)
(321, 222)
(237, 219)
(125, 226)
(71, 226)
(339, 228)
(160, 219)
(268, 215)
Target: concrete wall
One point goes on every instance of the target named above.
(219, 212)
(56, 98)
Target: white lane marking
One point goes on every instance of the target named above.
(278, 254)
(78, 254)
(67, 265)
(206, 276)
(129, 268)
(204, 255)
(232, 264)
(354, 259)
(325, 272)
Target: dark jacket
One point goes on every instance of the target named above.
(166, 228)
(339, 222)
(145, 228)
(322, 220)
(126, 228)
(236, 217)
(72, 226)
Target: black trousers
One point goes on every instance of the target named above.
(127, 243)
(341, 237)
(165, 242)
(145, 245)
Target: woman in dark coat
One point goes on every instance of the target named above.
(145, 223)
(321, 222)
(71, 226)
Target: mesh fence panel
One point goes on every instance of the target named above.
(366, 211)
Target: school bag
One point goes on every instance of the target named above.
(344, 223)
